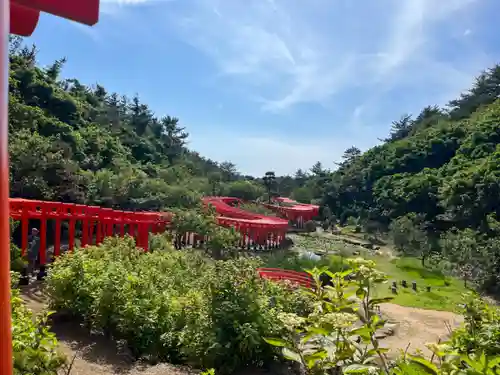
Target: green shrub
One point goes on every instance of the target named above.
(34, 346)
(173, 305)
(481, 329)
(257, 208)
(310, 226)
(295, 262)
(17, 263)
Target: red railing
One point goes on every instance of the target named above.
(294, 277)
(94, 223)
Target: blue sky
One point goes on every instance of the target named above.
(280, 84)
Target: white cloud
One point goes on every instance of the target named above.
(287, 52)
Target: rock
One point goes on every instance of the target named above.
(310, 255)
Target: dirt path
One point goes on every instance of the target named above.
(417, 327)
(96, 355)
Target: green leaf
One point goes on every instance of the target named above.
(378, 301)
(426, 364)
(312, 359)
(361, 292)
(357, 369)
(291, 355)
(364, 332)
(345, 273)
(276, 342)
(319, 331)
(494, 362)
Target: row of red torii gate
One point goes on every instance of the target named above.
(89, 225)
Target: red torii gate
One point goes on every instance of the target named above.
(23, 16)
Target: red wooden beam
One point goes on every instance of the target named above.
(23, 20)
(82, 11)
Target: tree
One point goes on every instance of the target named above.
(228, 170)
(141, 116)
(317, 169)
(464, 251)
(409, 237)
(215, 179)
(400, 128)
(302, 195)
(485, 91)
(54, 70)
(245, 190)
(350, 154)
(269, 182)
(172, 136)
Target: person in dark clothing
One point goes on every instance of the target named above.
(33, 250)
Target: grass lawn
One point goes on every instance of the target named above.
(446, 293)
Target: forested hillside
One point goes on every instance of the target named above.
(434, 182)
(74, 143)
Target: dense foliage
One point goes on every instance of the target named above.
(34, 346)
(173, 305)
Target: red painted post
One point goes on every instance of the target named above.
(43, 234)
(85, 231)
(98, 237)
(5, 322)
(57, 238)
(71, 235)
(145, 237)
(24, 231)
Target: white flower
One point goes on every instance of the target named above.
(290, 320)
(338, 320)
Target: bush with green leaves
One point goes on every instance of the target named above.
(17, 263)
(203, 222)
(338, 337)
(310, 226)
(481, 329)
(34, 346)
(174, 306)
